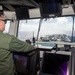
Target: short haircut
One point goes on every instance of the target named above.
(1, 12)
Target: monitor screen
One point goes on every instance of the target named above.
(55, 64)
(67, 47)
(50, 9)
(22, 13)
(21, 63)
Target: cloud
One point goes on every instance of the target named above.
(50, 26)
(60, 25)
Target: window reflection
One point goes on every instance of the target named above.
(7, 25)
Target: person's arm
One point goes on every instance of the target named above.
(20, 46)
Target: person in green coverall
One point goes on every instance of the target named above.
(8, 45)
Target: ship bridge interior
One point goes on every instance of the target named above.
(67, 7)
(16, 10)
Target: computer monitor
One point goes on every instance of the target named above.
(26, 63)
(22, 13)
(67, 47)
(50, 9)
(55, 64)
(21, 63)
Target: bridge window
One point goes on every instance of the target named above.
(28, 29)
(52, 30)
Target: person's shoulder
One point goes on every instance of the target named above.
(8, 35)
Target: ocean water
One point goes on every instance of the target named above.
(45, 45)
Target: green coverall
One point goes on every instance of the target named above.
(9, 44)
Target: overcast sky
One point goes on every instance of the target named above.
(49, 26)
